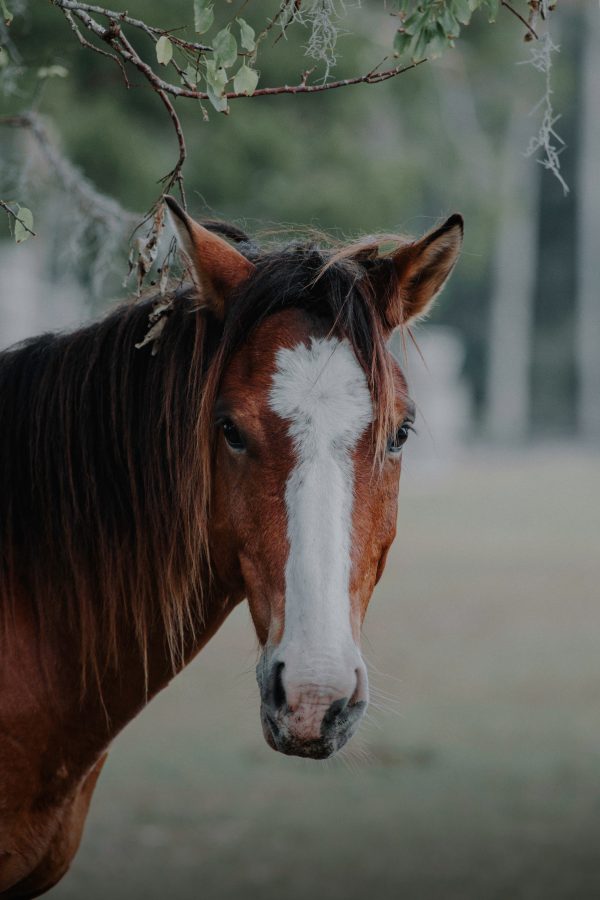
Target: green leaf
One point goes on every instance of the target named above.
(191, 75)
(6, 13)
(52, 72)
(438, 43)
(204, 16)
(402, 42)
(449, 23)
(462, 11)
(225, 48)
(421, 43)
(415, 22)
(245, 80)
(247, 37)
(218, 100)
(23, 225)
(216, 76)
(493, 7)
(4, 58)
(216, 81)
(164, 50)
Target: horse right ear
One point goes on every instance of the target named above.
(408, 281)
(216, 267)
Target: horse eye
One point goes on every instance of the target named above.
(397, 440)
(233, 436)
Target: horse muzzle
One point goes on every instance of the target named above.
(304, 715)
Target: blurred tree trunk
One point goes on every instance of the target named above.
(513, 289)
(588, 236)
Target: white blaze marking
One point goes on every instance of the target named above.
(322, 391)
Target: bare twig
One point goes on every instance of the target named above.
(294, 9)
(284, 7)
(302, 88)
(88, 44)
(112, 15)
(113, 35)
(516, 13)
(174, 176)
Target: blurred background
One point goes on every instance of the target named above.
(476, 775)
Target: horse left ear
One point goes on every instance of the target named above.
(417, 272)
(216, 267)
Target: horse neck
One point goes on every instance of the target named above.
(128, 687)
(79, 719)
(52, 727)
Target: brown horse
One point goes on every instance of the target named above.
(249, 447)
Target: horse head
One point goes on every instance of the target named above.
(311, 412)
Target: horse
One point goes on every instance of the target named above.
(237, 438)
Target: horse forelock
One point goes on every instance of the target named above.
(333, 287)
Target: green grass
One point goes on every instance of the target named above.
(480, 780)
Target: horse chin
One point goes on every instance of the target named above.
(280, 736)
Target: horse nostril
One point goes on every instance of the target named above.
(334, 713)
(277, 688)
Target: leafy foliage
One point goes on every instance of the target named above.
(429, 27)
(223, 65)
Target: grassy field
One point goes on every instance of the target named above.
(480, 777)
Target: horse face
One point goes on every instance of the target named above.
(307, 516)
(303, 515)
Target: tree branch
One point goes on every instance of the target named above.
(122, 46)
(96, 28)
(88, 45)
(174, 176)
(303, 88)
(123, 52)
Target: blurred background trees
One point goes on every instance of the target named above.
(448, 135)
